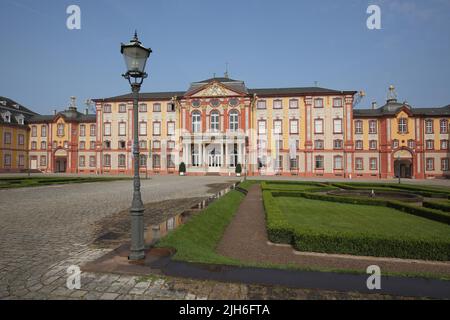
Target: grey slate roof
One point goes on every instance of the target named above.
(392, 106)
(70, 114)
(15, 109)
(296, 90)
(143, 96)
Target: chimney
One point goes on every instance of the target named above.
(374, 105)
(54, 112)
(86, 111)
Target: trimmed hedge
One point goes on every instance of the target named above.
(302, 239)
(278, 229)
(427, 213)
(309, 187)
(437, 205)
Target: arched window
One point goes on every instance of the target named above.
(215, 116)
(196, 121)
(234, 120)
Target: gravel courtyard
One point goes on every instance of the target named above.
(45, 229)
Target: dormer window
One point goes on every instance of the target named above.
(7, 116)
(20, 119)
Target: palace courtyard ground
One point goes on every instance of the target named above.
(44, 230)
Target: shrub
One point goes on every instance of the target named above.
(238, 168)
(437, 205)
(278, 229)
(182, 167)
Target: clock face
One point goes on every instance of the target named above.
(233, 102)
(196, 103)
(215, 102)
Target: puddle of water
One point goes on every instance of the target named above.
(156, 231)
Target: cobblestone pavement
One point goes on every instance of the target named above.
(42, 226)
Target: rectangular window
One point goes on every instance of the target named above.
(21, 138)
(122, 160)
(82, 161)
(262, 127)
(43, 131)
(107, 128)
(318, 126)
(34, 131)
(33, 145)
(82, 145)
(337, 144)
(156, 144)
(107, 108)
(21, 160)
(170, 161)
(170, 144)
(411, 144)
(142, 145)
(293, 124)
(92, 131)
(43, 161)
(143, 107)
(279, 163)
(293, 163)
(443, 126)
(430, 144)
(7, 160)
(122, 108)
(403, 125)
(372, 127)
(358, 144)
(143, 160)
(337, 125)
(395, 143)
(156, 128)
(338, 163)
(318, 144)
(156, 161)
(444, 164)
(372, 144)
(92, 161)
(318, 103)
(444, 144)
(261, 104)
(60, 129)
(359, 164)
(82, 130)
(170, 128)
(373, 163)
(157, 107)
(429, 126)
(319, 162)
(7, 138)
(277, 126)
(430, 164)
(337, 102)
(278, 104)
(43, 145)
(122, 128)
(107, 160)
(358, 127)
(171, 107)
(143, 128)
(293, 104)
(92, 145)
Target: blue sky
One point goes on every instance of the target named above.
(266, 43)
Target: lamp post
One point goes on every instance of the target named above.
(135, 56)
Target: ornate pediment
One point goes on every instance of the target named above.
(214, 90)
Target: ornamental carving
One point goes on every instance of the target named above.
(215, 90)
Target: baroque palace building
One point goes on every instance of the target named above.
(219, 123)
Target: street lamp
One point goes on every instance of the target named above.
(136, 56)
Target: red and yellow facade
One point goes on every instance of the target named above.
(219, 123)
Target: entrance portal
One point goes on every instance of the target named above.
(60, 164)
(403, 164)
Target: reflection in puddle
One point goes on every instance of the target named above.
(154, 232)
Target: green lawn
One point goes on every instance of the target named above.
(196, 241)
(20, 182)
(323, 216)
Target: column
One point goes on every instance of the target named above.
(226, 154)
